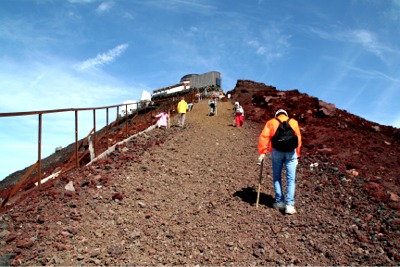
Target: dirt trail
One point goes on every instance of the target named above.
(185, 198)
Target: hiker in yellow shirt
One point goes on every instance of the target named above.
(182, 109)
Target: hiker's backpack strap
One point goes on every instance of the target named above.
(281, 121)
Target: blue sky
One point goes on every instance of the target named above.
(82, 53)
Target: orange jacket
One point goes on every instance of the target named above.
(264, 140)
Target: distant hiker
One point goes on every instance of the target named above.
(239, 116)
(182, 109)
(213, 106)
(235, 109)
(162, 120)
(190, 106)
(281, 136)
(197, 97)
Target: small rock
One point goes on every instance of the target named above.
(394, 197)
(4, 233)
(98, 233)
(280, 251)
(86, 183)
(25, 243)
(375, 128)
(117, 196)
(70, 187)
(94, 253)
(361, 236)
(57, 261)
(230, 244)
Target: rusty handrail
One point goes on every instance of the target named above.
(135, 121)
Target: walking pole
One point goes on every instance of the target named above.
(259, 182)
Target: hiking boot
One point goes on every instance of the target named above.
(279, 205)
(290, 210)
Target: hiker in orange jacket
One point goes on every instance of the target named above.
(289, 158)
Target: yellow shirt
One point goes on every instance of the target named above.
(182, 106)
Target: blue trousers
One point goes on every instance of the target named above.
(289, 159)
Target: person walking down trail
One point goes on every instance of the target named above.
(182, 109)
(239, 116)
(281, 136)
(162, 119)
(213, 106)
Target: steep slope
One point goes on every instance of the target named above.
(186, 196)
(330, 135)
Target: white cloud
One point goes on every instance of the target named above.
(102, 59)
(367, 39)
(271, 44)
(261, 50)
(51, 83)
(128, 15)
(104, 7)
(194, 29)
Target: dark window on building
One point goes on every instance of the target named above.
(218, 82)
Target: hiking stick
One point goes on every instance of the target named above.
(259, 183)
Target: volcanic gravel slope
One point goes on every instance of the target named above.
(187, 197)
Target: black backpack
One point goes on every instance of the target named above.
(284, 140)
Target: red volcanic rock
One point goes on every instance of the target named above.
(361, 236)
(394, 197)
(117, 196)
(326, 109)
(25, 243)
(11, 238)
(395, 205)
(345, 137)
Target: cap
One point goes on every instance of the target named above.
(281, 111)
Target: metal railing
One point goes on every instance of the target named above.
(122, 127)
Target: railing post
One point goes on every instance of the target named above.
(169, 119)
(137, 118)
(151, 116)
(107, 126)
(116, 126)
(76, 140)
(94, 132)
(126, 120)
(39, 169)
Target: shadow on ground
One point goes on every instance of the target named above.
(249, 195)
